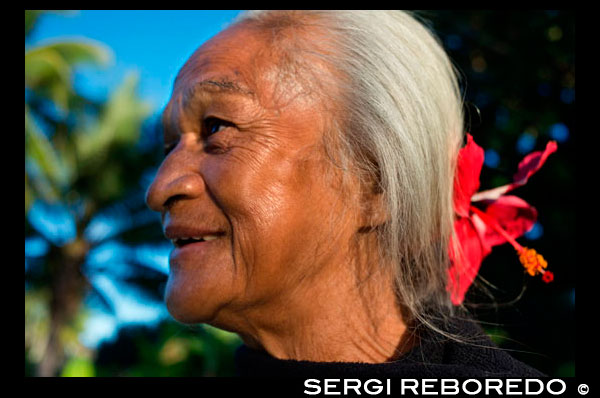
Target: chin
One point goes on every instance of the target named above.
(188, 304)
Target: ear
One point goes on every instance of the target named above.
(374, 210)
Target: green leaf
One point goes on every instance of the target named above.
(223, 336)
(48, 73)
(49, 68)
(37, 322)
(83, 51)
(119, 125)
(29, 195)
(126, 111)
(40, 150)
(40, 186)
(31, 17)
(79, 367)
(566, 369)
(497, 335)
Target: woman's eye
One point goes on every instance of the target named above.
(214, 125)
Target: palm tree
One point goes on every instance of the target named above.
(93, 249)
(80, 159)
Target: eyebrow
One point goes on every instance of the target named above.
(222, 86)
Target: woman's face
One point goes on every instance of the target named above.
(246, 170)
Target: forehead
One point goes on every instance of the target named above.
(238, 61)
(246, 68)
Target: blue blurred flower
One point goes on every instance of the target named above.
(453, 42)
(535, 232)
(491, 158)
(559, 132)
(526, 143)
(573, 296)
(567, 95)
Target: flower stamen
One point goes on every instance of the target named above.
(533, 262)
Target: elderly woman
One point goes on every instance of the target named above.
(308, 191)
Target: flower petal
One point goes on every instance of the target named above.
(513, 214)
(466, 180)
(466, 261)
(532, 163)
(527, 167)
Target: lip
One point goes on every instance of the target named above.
(191, 253)
(181, 231)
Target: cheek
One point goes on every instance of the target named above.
(248, 183)
(254, 200)
(280, 212)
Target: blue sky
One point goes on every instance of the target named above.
(154, 43)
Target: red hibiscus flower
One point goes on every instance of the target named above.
(489, 218)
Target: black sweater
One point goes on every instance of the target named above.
(435, 357)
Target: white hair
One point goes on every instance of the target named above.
(399, 128)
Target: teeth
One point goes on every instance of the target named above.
(210, 237)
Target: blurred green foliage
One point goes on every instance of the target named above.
(518, 70)
(71, 145)
(169, 350)
(88, 158)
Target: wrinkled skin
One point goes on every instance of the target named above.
(283, 272)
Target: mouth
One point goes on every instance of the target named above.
(184, 241)
(182, 235)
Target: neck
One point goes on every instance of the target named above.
(343, 318)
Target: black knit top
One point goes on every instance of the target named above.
(434, 357)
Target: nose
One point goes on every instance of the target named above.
(177, 178)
